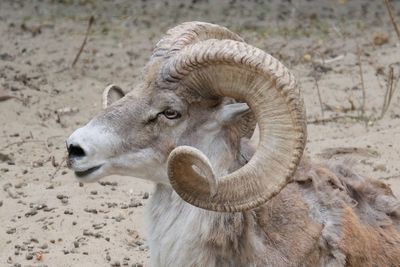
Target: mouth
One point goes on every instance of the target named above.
(84, 173)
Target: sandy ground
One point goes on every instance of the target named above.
(49, 219)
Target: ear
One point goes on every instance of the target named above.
(111, 94)
(239, 118)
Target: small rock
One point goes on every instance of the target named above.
(134, 203)
(29, 256)
(381, 38)
(1, 203)
(76, 244)
(94, 211)
(6, 57)
(146, 195)
(32, 212)
(20, 185)
(6, 186)
(48, 209)
(50, 187)
(116, 264)
(119, 218)
(93, 192)
(68, 212)
(5, 157)
(98, 226)
(105, 183)
(11, 231)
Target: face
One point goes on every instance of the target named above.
(134, 135)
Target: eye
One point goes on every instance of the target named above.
(171, 114)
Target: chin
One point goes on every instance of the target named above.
(92, 174)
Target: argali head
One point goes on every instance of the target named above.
(173, 125)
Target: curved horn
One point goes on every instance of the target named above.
(238, 70)
(189, 33)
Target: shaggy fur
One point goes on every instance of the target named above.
(327, 216)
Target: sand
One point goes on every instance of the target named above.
(49, 219)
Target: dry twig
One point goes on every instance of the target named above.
(319, 98)
(361, 81)
(58, 168)
(91, 20)
(334, 119)
(391, 15)
(391, 87)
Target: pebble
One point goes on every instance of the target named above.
(50, 187)
(32, 212)
(61, 196)
(105, 183)
(68, 212)
(76, 244)
(135, 203)
(94, 211)
(1, 203)
(7, 186)
(20, 185)
(98, 226)
(116, 264)
(146, 195)
(93, 192)
(11, 231)
(47, 209)
(29, 256)
(118, 218)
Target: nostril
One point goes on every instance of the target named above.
(76, 151)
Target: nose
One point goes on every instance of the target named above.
(75, 151)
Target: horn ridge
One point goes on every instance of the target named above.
(236, 69)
